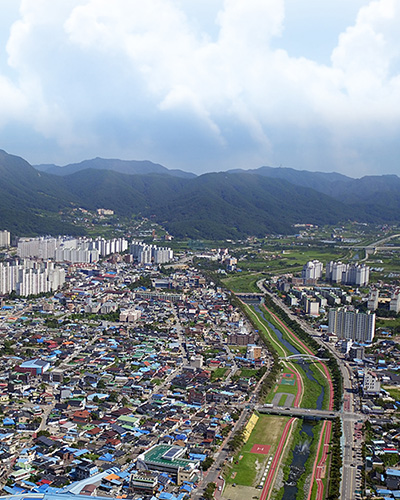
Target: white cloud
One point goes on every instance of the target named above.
(83, 67)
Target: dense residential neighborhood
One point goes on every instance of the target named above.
(109, 387)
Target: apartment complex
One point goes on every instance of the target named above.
(147, 254)
(348, 274)
(30, 278)
(312, 271)
(67, 249)
(354, 325)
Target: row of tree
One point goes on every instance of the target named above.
(335, 450)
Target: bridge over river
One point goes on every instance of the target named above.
(312, 414)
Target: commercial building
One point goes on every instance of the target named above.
(371, 384)
(253, 352)
(166, 458)
(33, 366)
(354, 325)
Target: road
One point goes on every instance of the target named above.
(298, 412)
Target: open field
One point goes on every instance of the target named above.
(246, 465)
(242, 283)
(393, 391)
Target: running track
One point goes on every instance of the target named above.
(276, 460)
(318, 467)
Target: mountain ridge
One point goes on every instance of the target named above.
(214, 205)
(131, 167)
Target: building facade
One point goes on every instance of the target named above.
(347, 324)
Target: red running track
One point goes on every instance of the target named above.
(299, 394)
(275, 461)
(326, 371)
(322, 462)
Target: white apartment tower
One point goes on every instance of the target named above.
(395, 302)
(349, 274)
(30, 278)
(4, 239)
(373, 300)
(312, 270)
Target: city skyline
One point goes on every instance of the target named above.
(203, 86)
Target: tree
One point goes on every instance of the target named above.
(207, 463)
(209, 491)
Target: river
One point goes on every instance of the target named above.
(302, 450)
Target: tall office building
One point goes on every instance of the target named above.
(353, 325)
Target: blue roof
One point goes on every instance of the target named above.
(393, 472)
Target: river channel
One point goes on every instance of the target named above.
(302, 450)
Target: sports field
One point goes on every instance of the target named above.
(249, 463)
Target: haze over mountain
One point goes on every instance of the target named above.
(215, 205)
(130, 167)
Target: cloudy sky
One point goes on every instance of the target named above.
(203, 85)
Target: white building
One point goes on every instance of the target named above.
(312, 270)
(147, 254)
(352, 325)
(395, 302)
(371, 384)
(373, 300)
(349, 274)
(4, 239)
(30, 278)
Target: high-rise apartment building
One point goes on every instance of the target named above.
(395, 302)
(146, 254)
(30, 278)
(4, 239)
(312, 271)
(354, 325)
(348, 274)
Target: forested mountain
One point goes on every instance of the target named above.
(215, 205)
(130, 167)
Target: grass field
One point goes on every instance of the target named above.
(393, 391)
(242, 283)
(282, 401)
(387, 322)
(247, 372)
(218, 373)
(287, 389)
(268, 430)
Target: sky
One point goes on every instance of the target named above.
(203, 85)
